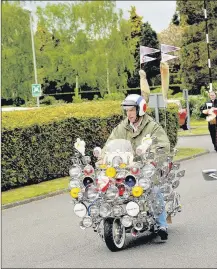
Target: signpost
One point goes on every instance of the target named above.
(156, 101)
(36, 90)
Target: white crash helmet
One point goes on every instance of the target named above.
(137, 101)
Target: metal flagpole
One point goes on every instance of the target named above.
(207, 42)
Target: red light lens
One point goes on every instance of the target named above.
(121, 189)
(88, 170)
(135, 170)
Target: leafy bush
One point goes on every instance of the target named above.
(48, 100)
(77, 99)
(19, 101)
(177, 95)
(195, 103)
(32, 102)
(159, 90)
(114, 96)
(37, 145)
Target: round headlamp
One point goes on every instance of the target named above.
(75, 171)
(94, 211)
(132, 209)
(116, 161)
(126, 221)
(117, 210)
(111, 193)
(135, 170)
(87, 222)
(137, 191)
(91, 193)
(148, 170)
(121, 189)
(87, 181)
(74, 192)
(120, 176)
(145, 183)
(110, 172)
(80, 210)
(74, 184)
(97, 151)
(88, 170)
(130, 181)
(105, 210)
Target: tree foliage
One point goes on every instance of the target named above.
(17, 59)
(93, 44)
(142, 35)
(194, 56)
(87, 40)
(149, 38)
(173, 36)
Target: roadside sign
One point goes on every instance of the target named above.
(156, 101)
(185, 94)
(36, 90)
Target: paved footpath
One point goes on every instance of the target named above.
(203, 141)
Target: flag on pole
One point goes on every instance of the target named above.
(167, 57)
(146, 50)
(168, 48)
(145, 59)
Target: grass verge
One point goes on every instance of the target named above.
(198, 127)
(188, 152)
(43, 188)
(35, 190)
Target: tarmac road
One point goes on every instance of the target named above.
(46, 233)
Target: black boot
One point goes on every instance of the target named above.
(162, 232)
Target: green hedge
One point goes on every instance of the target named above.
(43, 151)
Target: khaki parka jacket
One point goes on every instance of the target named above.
(148, 126)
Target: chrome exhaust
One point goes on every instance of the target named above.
(138, 225)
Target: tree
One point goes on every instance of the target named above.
(91, 44)
(173, 36)
(194, 67)
(136, 32)
(149, 38)
(143, 35)
(17, 63)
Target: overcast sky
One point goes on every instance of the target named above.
(157, 13)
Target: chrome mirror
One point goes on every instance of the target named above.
(176, 166)
(175, 184)
(209, 174)
(181, 173)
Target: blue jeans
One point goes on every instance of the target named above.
(161, 218)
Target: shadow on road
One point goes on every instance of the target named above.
(142, 240)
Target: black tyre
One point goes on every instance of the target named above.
(114, 234)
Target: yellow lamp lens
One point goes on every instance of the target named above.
(110, 172)
(102, 166)
(122, 165)
(74, 192)
(137, 191)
